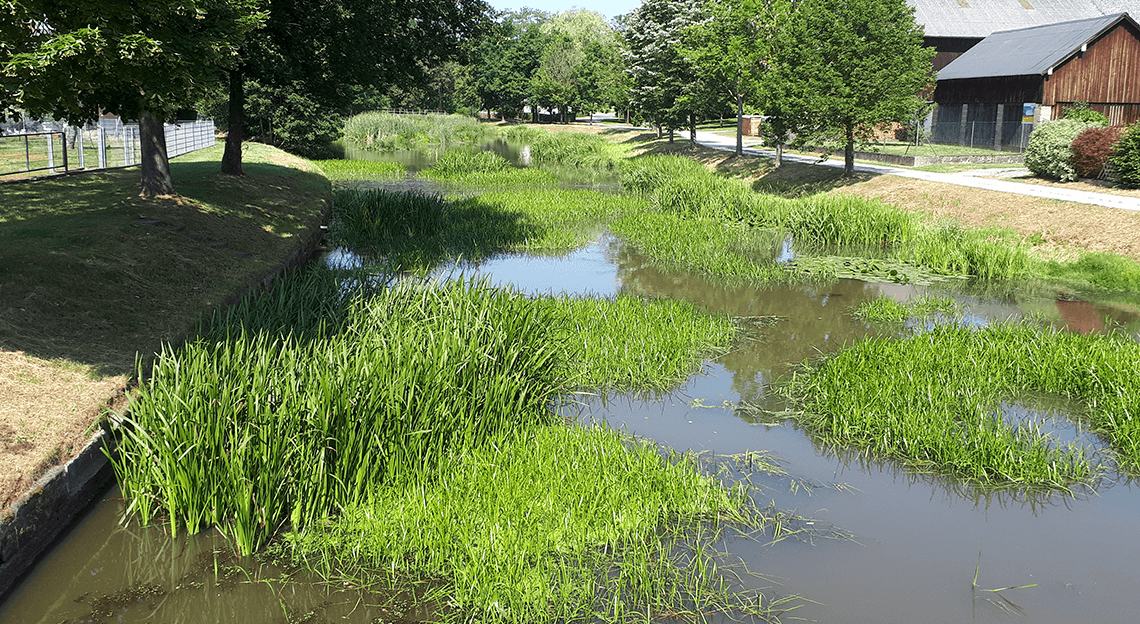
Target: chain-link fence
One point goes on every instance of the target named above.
(33, 148)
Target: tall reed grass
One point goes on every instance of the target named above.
(385, 131)
(628, 343)
(931, 401)
(262, 428)
(554, 525)
(485, 170)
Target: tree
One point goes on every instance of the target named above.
(664, 82)
(321, 53)
(505, 60)
(731, 48)
(74, 60)
(848, 66)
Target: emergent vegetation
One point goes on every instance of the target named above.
(931, 401)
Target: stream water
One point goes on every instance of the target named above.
(916, 543)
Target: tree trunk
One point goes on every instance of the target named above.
(739, 124)
(670, 135)
(627, 116)
(779, 154)
(155, 163)
(658, 126)
(692, 130)
(231, 157)
(849, 151)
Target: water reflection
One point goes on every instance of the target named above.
(109, 572)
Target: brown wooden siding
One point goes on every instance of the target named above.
(1109, 71)
(999, 90)
(948, 48)
(1118, 114)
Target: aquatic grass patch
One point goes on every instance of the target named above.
(985, 253)
(485, 170)
(384, 131)
(931, 401)
(576, 149)
(417, 232)
(1102, 270)
(706, 246)
(368, 217)
(556, 524)
(338, 170)
(255, 430)
(628, 343)
(886, 309)
(645, 174)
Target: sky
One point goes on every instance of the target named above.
(609, 8)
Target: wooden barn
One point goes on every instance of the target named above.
(991, 95)
(954, 26)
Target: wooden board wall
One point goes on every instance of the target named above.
(1109, 72)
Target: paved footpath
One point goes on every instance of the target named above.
(719, 142)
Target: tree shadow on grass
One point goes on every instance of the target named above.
(93, 274)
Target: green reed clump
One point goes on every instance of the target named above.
(385, 131)
(893, 311)
(254, 430)
(1103, 270)
(360, 169)
(369, 217)
(988, 254)
(931, 400)
(707, 246)
(485, 170)
(839, 220)
(575, 149)
(629, 343)
(645, 174)
(556, 524)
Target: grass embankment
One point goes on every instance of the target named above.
(931, 401)
(93, 276)
(405, 434)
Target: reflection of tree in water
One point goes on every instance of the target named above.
(813, 318)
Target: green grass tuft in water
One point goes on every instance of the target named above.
(892, 311)
(555, 524)
(930, 401)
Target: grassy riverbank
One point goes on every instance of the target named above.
(94, 276)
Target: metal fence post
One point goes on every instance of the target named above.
(63, 143)
(79, 144)
(27, 154)
(101, 150)
(51, 152)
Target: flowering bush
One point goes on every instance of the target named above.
(1049, 153)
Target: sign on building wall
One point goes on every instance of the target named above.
(1028, 111)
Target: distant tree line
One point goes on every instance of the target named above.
(288, 72)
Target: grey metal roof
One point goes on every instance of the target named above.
(980, 18)
(1028, 51)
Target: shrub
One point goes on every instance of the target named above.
(1091, 150)
(1125, 160)
(1081, 112)
(1049, 153)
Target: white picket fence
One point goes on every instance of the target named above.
(109, 143)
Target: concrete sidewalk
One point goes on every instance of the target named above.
(718, 142)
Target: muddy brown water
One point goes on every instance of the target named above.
(916, 540)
